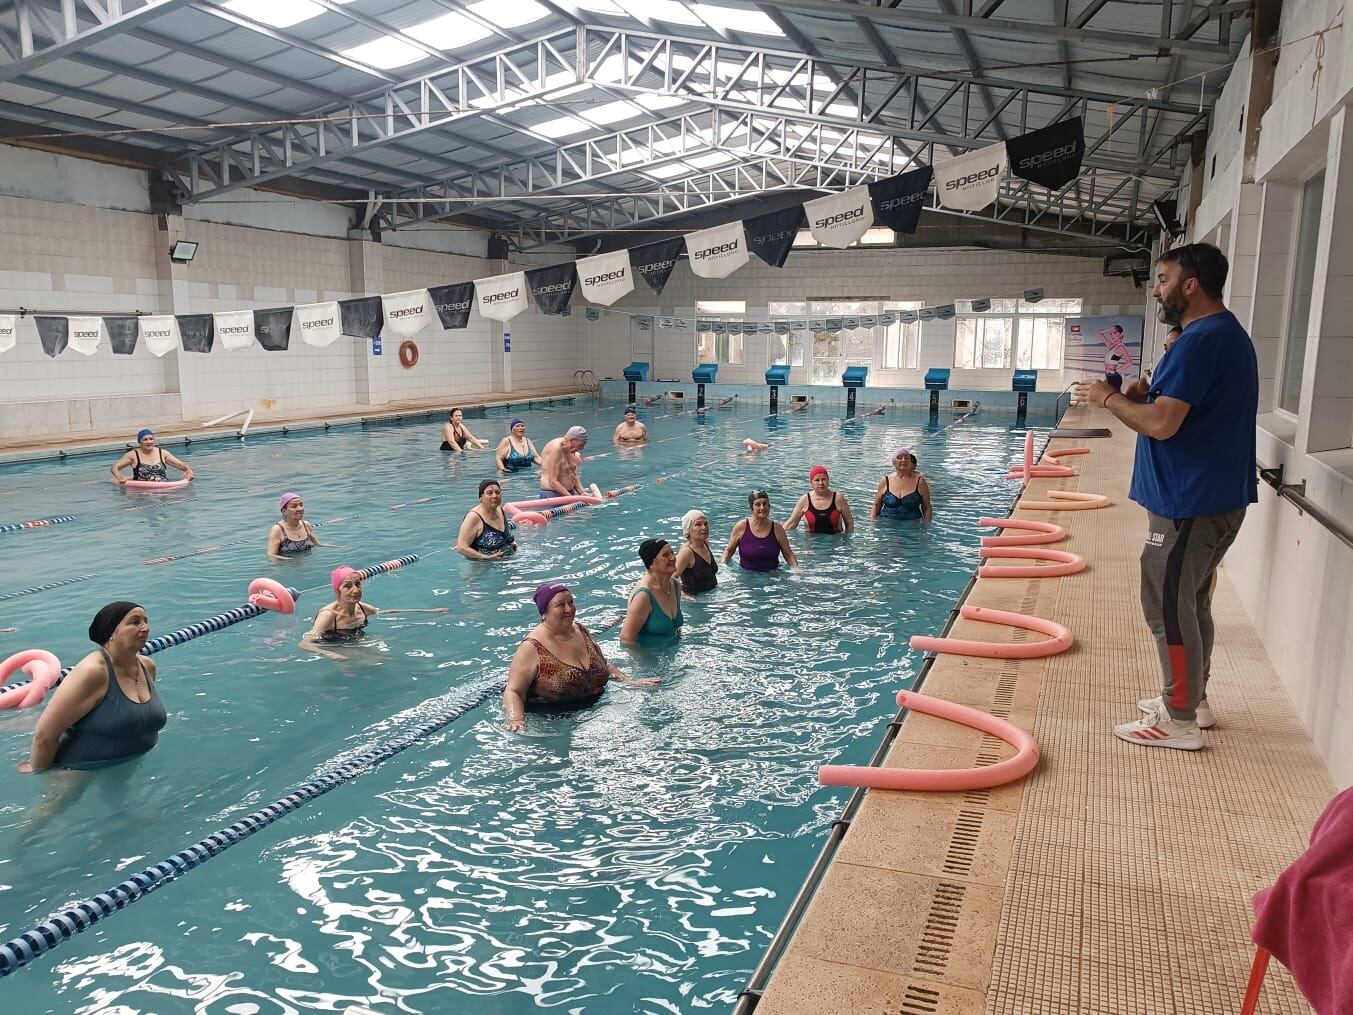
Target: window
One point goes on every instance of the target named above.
(1042, 333)
(1299, 299)
(788, 348)
(1029, 336)
(983, 339)
(902, 342)
(840, 346)
(714, 347)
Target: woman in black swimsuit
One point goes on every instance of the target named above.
(456, 435)
(148, 462)
(695, 564)
(293, 535)
(344, 620)
(824, 509)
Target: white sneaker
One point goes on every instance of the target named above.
(1204, 717)
(1159, 730)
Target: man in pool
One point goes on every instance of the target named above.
(561, 462)
(630, 431)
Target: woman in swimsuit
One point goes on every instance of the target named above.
(293, 535)
(695, 564)
(515, 451)
(486, 532)
(559, 663)
(905, 494)
(456, 435)
(654, 614)
(824, 509)
(759, 540)
(148, 462)
(106, 711)
(344, 620)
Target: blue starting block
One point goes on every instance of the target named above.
(852, 378)
(704, 373)
(1024, 381)
(636, 371)
(776, 375)
(936, 380)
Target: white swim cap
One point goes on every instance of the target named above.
(688, 519)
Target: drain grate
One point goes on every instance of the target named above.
(941, 924)
(988, 751)
(962, 852)
(919, 999)
(1004, 698)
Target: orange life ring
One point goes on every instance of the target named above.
(408, 354)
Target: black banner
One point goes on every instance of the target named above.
(552, 286)
(453, 303)
(362, 317)
(1051, 156)
(196, 332)
(898, 200)
(122, 334)
(272, 328)
(771, 236)
(653, 262)
(54, 333)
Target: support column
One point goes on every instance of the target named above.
(366, 271)
(500, 353)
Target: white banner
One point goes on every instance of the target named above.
(407, 313)
(320, 323)
(85, 333)
(717, 252)
(501, 297)
(971, 182)
(9, 328)
(234, 329)
(159, 334)
(606, 277)
(838, 220)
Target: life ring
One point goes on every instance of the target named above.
(41, 665)
(408, 354)
(270, 595)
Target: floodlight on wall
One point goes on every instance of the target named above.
(182, 251)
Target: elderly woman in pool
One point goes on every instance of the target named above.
(759, 540)
(516, 451)
(293, 535)
(456, 435)
(559, 662)
(905, 494)
(344, 620)
(148, 462)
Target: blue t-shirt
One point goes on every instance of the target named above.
(1207, 467)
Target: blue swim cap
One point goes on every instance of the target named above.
(143, 434)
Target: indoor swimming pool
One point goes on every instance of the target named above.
(635, 856)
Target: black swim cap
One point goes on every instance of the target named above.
(649, 550)
(105, 622)
(757, 495)
(488, 483)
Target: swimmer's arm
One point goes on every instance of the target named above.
(685, 558)
(448, 435)
(71, 702)
(923, 488)
(520, 676)
(371, 611)
(310, 531)
(275, 541)
(878, 499)
(473, 439)
(782, 538)
(311, 643)
(847, 515)
(620, 677)
(498, 460)
(795, 516)
(467, 535)
(183, 467)
(636, 616)
(615, 434)
(121, 464)
(536, 454)
(733, 539)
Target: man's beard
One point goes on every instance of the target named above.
(1170, 309)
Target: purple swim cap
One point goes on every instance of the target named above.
(287, 498)
(545, 593)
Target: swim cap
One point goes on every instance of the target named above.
(757, 495)
(649, 550)
(142, 434)
(578, 433)
(516, 422)
(815, 471)
(903, 451)
(105, 622)
(340, 573)
(630, 409)
(287, 498)
(488, 483)
(688, 519)
(545, 593)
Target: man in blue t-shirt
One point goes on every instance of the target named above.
(1195, 475)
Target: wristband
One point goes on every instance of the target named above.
(1105, 404)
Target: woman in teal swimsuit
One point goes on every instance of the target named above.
(654, 614)
(905, 494)
(515, 451)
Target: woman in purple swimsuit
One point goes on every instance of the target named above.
(759, 540)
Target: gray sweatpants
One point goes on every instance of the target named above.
(1178, 562)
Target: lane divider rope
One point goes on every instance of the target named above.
(37, 523)
(43, 588)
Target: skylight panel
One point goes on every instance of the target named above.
(656, 102)
(736, 19)
(878, 236)
(562, 126)
(662, 10)
(710, 160)
(602, 7)
(613, 112)
(449, 31)
(277, 13)
(669, 172)
(509, 13)
(386, 53)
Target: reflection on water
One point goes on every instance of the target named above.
(633, 856)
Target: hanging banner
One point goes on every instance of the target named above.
(888, 318)
(869, 321)
(849, 323)
(771, 236)
(680, 323)
(838, 220)
(782, 327)
(704, 324)
(85, 333)
(9, 331)
(122, 333)
(898, 200)
(407, 313)
(593, 314)
(907, 317)
(720, 328)
(552, 286)
(798, 325)
(195, 332)
(664, 322)
(981, 306)
(654, 261)
(159, 334)
(360, 317)
(946, 312)
(501, 297)
(834, 324)
(643, 322)
(273, 328)
(971, 181)
(320, 324)
(235, 329)
(817, 325)
(54, 333)
(1107, 346)
(453, 303)
(1033, 295)
(926, 314)
(606, 277)
(1050, 156)
(765, 327)
(717, 252)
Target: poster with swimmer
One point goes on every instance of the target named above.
(1104, 346)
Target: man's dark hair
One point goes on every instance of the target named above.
(1202, 261)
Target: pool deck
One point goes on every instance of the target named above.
(1115, 878)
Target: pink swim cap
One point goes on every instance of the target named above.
(815, 471)
(287, 498)
(339, 574)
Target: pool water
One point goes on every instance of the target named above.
(636, 856)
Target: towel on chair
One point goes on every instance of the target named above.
(1306, 919)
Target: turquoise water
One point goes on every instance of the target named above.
(633, 857)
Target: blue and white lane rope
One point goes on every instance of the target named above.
(18, 952)
(196, 630)
(43, 588)
(37, 523)
(388, 565)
